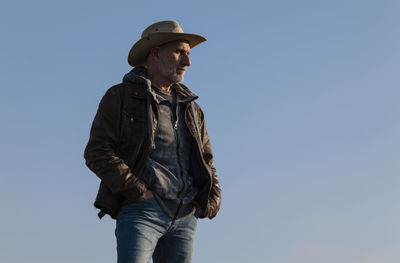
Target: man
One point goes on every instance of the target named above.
(149, 146)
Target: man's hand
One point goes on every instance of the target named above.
(146, 195)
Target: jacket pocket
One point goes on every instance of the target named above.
(133, 132)
(133, 117)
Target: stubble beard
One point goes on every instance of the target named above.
(169, 72)
(175, 77)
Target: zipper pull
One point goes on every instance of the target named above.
(176, 125)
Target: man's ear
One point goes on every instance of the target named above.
(154, 52)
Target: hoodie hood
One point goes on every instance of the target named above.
(136, 75)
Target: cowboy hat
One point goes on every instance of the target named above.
(157, 34)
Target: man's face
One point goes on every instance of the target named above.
(173, 60)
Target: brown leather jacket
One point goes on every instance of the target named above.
(121, 140)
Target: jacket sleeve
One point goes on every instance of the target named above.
(214, 200)
(101, 152)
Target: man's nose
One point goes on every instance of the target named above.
(186, 60)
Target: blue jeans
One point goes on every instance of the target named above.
(143, 231)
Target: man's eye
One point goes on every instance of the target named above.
(181, 52)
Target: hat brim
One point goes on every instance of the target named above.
(137, 54)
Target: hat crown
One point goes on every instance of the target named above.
(169, 26)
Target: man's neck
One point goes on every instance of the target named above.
(159, 83)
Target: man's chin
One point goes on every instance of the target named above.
(177, 78)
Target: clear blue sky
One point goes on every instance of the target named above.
(302, 106)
